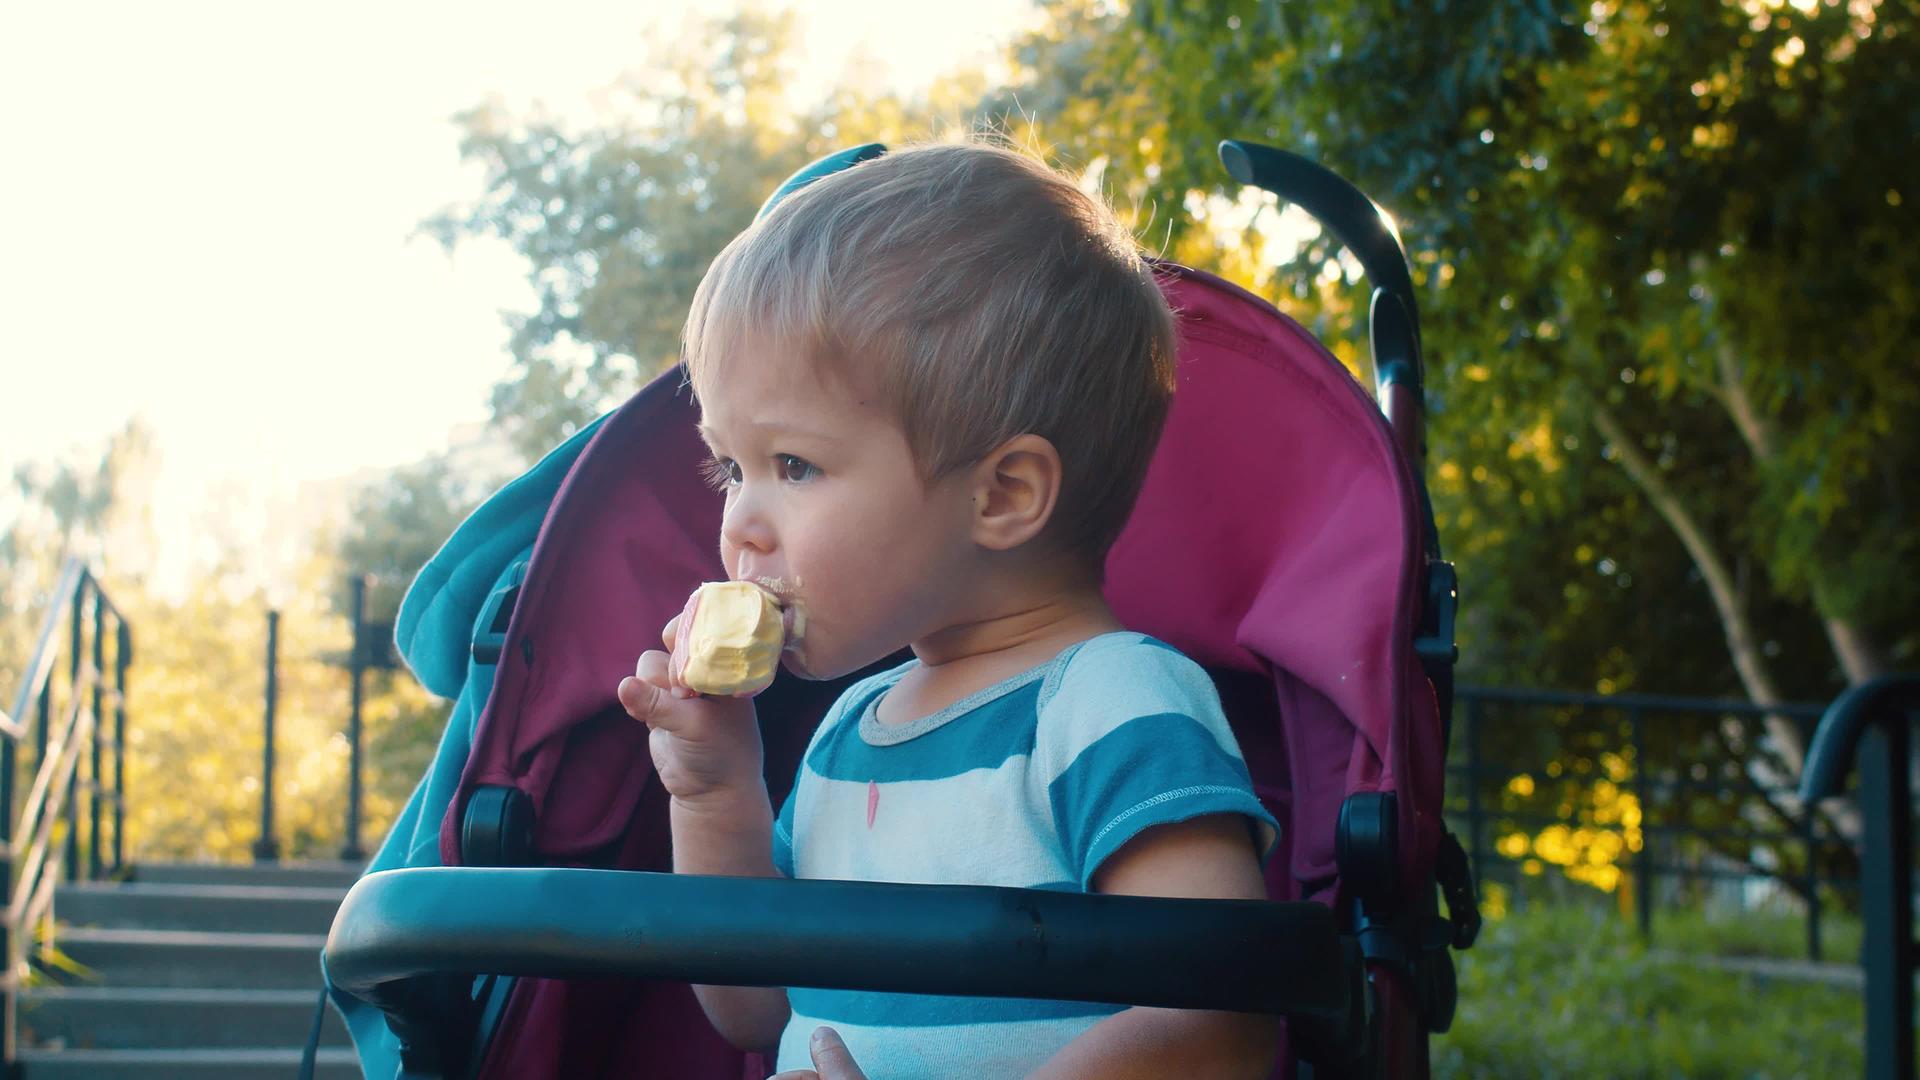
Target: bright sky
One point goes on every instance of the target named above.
(212, 209)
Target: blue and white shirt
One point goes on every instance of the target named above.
(1031, 783)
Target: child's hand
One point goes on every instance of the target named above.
(702, 746)
(831, 1060)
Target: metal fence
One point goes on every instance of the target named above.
(1662, 801)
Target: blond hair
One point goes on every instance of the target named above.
(988, 295)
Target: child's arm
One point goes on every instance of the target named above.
(707, 753)
(1209, 857)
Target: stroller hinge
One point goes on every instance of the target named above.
(497, 614)
(1436, 646)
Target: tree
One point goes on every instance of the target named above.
(1667, 310)
(1658, 269)
(619, 221)
(396, 523)
(85, 506)
(195, 730)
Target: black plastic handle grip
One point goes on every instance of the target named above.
(1245, 955)
(1360, 224)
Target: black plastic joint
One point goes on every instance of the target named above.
(497, 828)
(496, 615)
(1455, 873)
(1438, 646)
(1367, 845)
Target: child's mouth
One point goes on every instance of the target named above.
(793, 619)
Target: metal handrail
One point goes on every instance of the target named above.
(1868, 730)
(45, 651)
(89, 699)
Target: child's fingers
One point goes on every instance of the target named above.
(652, 667)
(670, 632)
(831, 1058)
(642, 700)
(649, 704)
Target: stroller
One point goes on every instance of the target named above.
(503, 931)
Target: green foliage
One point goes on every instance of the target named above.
(196, 695)
(618, 223)
(57, 507)
(1690, 220)
(396, 523)
(195, 726)
(1770, 935)
(1570, 991)
(619, 220)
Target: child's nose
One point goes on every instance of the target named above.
(745, 525)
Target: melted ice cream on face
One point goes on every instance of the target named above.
(792, 611)
(730, 639)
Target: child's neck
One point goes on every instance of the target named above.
(970, 656)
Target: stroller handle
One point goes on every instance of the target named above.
(1242, 955)
(1353, 218)
(1393, 316)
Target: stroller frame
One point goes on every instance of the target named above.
(1361, 979)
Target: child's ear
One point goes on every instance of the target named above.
(1015, 488)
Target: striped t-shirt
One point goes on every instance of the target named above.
(1031, 783)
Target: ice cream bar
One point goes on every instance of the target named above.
(729, 639)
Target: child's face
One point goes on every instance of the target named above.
(826, 507)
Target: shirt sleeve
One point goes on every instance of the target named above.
(1133, 736)
(783, 831)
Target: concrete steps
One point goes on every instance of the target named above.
(254, 909)
(189, 971)
(332, 1063)
(336, 875)
(174, 1018)
(196, 958)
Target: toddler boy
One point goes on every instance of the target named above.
(931, 384)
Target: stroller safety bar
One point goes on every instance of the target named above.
(1245, 955)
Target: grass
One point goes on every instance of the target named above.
(1776, 936)
(1567, 991)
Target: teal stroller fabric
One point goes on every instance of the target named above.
(438, 621)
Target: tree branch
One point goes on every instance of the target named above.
(1860, 656)
(1742, 643)
(1732, 394)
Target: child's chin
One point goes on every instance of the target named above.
(815, 666)
(796, 665)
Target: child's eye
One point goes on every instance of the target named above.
(795, 470)
(721, 473)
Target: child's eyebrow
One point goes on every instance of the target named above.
(769, 429)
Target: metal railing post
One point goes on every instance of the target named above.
(122, 660)
(1643, 863)
(1886, 901)
(99, 707)
(27, 873)
(1476, 814)
(267, 848)
(43, 713)
(351, 850)
(76, 640)
(1810, 829)
(1869, 727)
(9, 1019)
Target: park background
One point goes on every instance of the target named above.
(288, 295)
